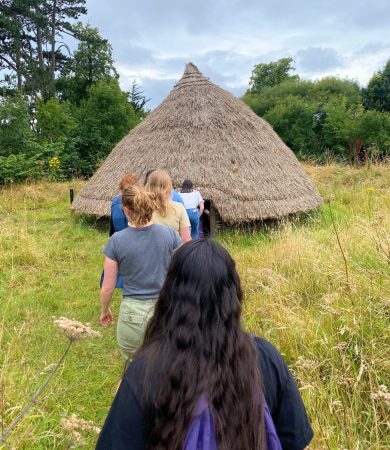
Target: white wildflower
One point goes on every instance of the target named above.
(382, 394)
(74, 329)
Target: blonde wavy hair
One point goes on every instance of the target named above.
(160, 185)
(140, 204)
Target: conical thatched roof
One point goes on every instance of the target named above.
(204, 133)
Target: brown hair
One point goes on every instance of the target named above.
(160, 184)
(140, 203)
(126, 181)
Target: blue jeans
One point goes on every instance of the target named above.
(193, 215)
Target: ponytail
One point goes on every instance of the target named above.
(140, 203)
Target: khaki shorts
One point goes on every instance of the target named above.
(134, 315)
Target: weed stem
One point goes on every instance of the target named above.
(36, 395)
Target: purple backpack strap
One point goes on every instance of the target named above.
(273, 441)
(201, 435)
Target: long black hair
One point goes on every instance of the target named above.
(194, 345)
(187, 186)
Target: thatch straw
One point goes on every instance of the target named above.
(204, 133)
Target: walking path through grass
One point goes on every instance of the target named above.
(333, 334)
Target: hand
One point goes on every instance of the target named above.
(106, 318)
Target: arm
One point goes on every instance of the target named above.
(201, 207)
(108, 287)
(185, 226)
(124, 428)
(185, 234)
(284, 399)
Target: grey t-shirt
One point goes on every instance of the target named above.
(143, 256)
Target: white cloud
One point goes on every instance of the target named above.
(153, 40)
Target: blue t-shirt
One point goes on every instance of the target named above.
(118, 219)
(176, 197)
(143, 256)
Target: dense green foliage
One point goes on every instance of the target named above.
(377, 94)
(270, 74)
(61, 113)
(326, 118)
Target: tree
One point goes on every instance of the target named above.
(16, 40)
(91, 62)
(354, 132)
(54, 121)
(15, 131)
(270, 96)
(271, 74)
(310, 134)
(293, 120)
(137, 99)
(104, 118)
(329, 87)
(59, 12)
(377, 93)
(27, 28)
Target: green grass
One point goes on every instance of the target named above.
(334, 336)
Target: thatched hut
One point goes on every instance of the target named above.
(204, 133)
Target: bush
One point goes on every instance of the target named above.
(48, 160)
(293, 120)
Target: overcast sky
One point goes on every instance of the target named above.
(153, 39)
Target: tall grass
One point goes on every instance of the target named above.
(333, 334)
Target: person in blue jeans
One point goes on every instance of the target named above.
(194, 205)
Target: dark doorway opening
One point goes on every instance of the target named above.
(204, 226)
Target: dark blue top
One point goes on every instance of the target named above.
(118, 220)
(128, 426)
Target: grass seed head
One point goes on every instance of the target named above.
(75, 330)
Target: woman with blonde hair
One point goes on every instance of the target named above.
(167, 212)
(140, 253)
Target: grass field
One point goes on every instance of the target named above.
(328, 316)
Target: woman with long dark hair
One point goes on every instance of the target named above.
(196, 355)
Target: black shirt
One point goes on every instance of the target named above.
(126, 428)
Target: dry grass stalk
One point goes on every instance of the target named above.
(347, 284)
(73, 330)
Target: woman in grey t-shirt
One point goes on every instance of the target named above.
(141, 254)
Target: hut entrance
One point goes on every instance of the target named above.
(204, 226)
(209, 219)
